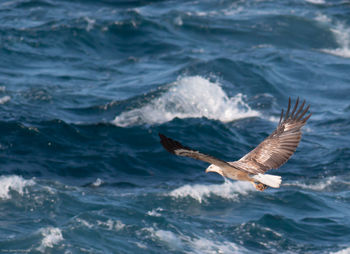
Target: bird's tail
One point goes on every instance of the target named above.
(269, 180)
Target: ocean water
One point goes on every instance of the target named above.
(86, 85)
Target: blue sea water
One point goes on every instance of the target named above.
(86, 85)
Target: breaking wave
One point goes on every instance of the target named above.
(344, 251)
(341, 34)
(5, 99)
(196, 245)
(52, 236)
(203, 245)
(155, 212)
(13, 183)
(200, 192)
(189, 97)
(316, 1)
(321, 185)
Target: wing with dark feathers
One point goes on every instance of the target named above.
(174, 147)
(277, 148)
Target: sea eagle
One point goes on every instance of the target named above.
(271, 153)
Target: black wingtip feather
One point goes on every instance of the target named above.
(307, 118)
(170, 145)
(296, 114)
(304, 112)
(300, 109)
(281, 117)
(295, 108)
(288, 109)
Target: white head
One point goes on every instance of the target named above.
(216, 169)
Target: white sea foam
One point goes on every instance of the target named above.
(118, 225)
(200, 192)
(90, 23)
(84, 223)
(316, 1)
(203, 245)
(112, 225)
(170, 238)
(343, 52)
(109, 224)
(274, 119)
(14, 183)
(97, 183)
(155, 212)
(341, 34)
(141, 245)
(52, 236)
(319, 186)
(323, 18)
(197, 245)
(5, 99)
(178, 21)
(189, 97)
(344, 251)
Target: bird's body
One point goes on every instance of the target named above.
(271, 153)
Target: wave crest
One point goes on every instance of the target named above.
(189, 97)
(343, 251)
(13, 183)
(228, 190)
(197, 244)
(320, 185)
(341, 34)
(52, 236)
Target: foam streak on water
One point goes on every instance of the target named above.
(52, 236)
(13, 183)
(344, 251)
(5, 99)
(315, 1)
(341, 34)
(189, 97)
(319, 186)
(228, 190)
(195, 245)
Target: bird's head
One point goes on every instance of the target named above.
(216, 169)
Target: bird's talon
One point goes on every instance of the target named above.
(261, 186)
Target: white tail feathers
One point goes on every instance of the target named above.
(269, 180)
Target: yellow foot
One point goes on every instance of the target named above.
(260, 186)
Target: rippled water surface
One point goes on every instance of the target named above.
(85, 87)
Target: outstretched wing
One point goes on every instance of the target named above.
(277, 148)
(174, 147)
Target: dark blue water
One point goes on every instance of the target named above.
(85, 87)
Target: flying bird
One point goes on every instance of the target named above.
(271, 153)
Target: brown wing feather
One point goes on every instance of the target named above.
(175, 147)
(277, 148)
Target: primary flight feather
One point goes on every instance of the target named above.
(271, 153)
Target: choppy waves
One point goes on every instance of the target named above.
(87, 85)
(189, 97)
(152, 222)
